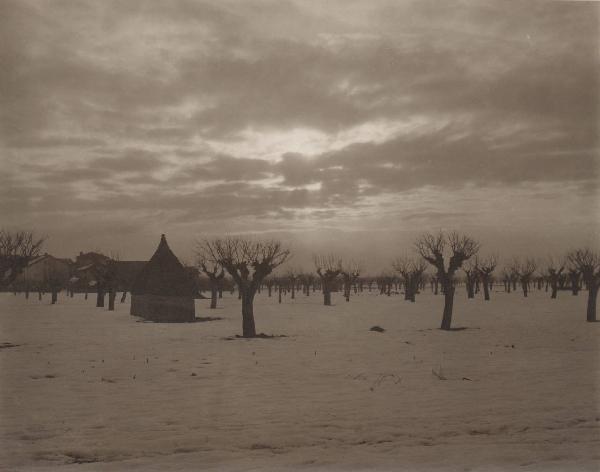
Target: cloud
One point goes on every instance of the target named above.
(293, 112)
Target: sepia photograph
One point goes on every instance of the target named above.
(299, 235)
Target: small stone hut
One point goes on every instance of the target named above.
(163, 290)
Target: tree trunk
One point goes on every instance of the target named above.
(100, 298)
(448, 303)
(280, 289)
(112, 294)
(524, 286)
(554, 287)
(213, 297)
(54, 296)
(591, 303)
(326, 294)
(470, 289)
(486, 289)
(39, 295)
(86, 294)
(269, 288)
(248, 327)
(293, 290)
(575, 284)
(124, 296)
(407, 289)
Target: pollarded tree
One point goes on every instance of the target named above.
(328, 269)
(588, 263)
(385, 281)
(411, 270)
(457, 249)
(248, 262)
(471, 273)
(308, 281)
(574, 279)
(350, 273)
(403, 265)
(524, 270)
(17, 248)
(215, 274)
(485, 268)
(54, 281)
(553, 271)
(506, 279)
(292, 276)
(106, 273)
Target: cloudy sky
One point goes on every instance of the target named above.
(348, 126)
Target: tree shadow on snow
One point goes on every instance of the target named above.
(258, 336)
(202, 319)
(458, 328)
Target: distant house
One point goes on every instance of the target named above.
(164, 290)
(43, 271)
(91, 266)
(85, 272)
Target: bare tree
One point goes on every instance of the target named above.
(486, 267)
(524, 270)
(554, 270)
(507, 279)
(215, 276)
(248, 262)
(292, 275)
(328, 268)
(105, 273)
(458, 248)
(54, 281)
(588, 263)
(17, 248)
(308, 280)
(411, 271)
(471, 273)
(574, 278)
(350, 273)
(385, 281)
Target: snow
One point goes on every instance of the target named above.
(86, 389)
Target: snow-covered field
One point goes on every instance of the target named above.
(87, 389)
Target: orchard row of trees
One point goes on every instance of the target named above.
(251, 263)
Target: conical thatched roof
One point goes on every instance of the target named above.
(164, 275)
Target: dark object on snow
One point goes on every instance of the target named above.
(163, 291)
(379, 329)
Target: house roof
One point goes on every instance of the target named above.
(42, 257)
(164, 275)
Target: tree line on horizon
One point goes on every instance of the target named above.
(251, 264)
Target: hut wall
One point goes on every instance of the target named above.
(163, 309)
